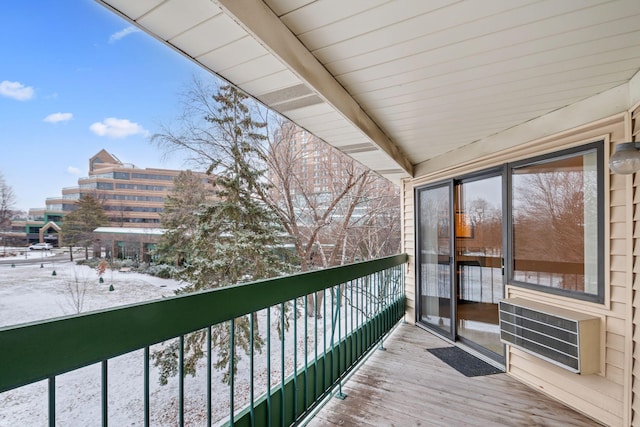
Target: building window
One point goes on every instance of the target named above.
(553, 222)
(105, 185)
(556, 214)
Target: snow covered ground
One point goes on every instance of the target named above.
(30, 293)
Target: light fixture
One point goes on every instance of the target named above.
(626, 158)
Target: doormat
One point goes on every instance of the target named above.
(463, 362)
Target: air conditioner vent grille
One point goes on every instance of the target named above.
(550, 333)
(547, 319)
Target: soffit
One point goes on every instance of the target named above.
(396, 83)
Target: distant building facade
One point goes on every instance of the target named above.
(132, 197)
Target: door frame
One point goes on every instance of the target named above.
(451, 183)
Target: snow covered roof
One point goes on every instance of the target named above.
(130, 230)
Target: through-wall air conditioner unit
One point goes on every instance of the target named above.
(563, 337)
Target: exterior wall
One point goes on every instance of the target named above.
(605, 396)
(409, 247)
(632, 210)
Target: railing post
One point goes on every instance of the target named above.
(181, 381)
(306, 352)
(209, 377)
(146, 387)
(282, 357)
(232, 359)
(52, 401)
(105, 413)
(252, 415)
(381, 312)
(340, 395)
(268, 420)
(295, 358)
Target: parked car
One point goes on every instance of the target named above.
(41, 246)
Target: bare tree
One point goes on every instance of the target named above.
(328, 203)
(323, 197)
(551, 204)
(75, 291)
(7, 201)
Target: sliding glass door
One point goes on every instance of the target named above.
(435, 237)
(460, 276)
(479, 272)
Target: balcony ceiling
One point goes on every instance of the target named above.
(396, 83)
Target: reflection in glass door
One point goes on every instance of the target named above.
(478, 249)
(435, 256)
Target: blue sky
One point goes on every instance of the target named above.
(76, 78)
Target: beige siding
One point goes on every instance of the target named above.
(604, 396)
(634, 279)
(408, 240)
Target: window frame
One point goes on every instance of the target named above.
(506, 171)
(598, 147)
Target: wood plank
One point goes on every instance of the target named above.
(408, 386)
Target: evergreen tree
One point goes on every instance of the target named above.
(179, 217)
(77, 227)
(237, 238)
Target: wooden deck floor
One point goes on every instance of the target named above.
(408, 386)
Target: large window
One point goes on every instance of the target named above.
(556, 222)
(550, 212)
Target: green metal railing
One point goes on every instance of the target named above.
(316, 327)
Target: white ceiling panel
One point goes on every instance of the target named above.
(173, 17)
(230, 55)
(134, 9)
(198, 41)
(414, 78)
(322, 13)
(281, 7)
(527, 22)
(315, 112)
(554, 49)
(366, 21)
(254, 69)
(271, 82)
(457, 17)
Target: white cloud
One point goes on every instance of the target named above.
(16, 90)
(117, 128)
(123, 33)
(58, 117)
(74, 171)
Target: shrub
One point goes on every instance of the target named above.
(164, 271)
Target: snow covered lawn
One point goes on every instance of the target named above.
(30, 293)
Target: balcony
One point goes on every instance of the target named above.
(280, 376)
